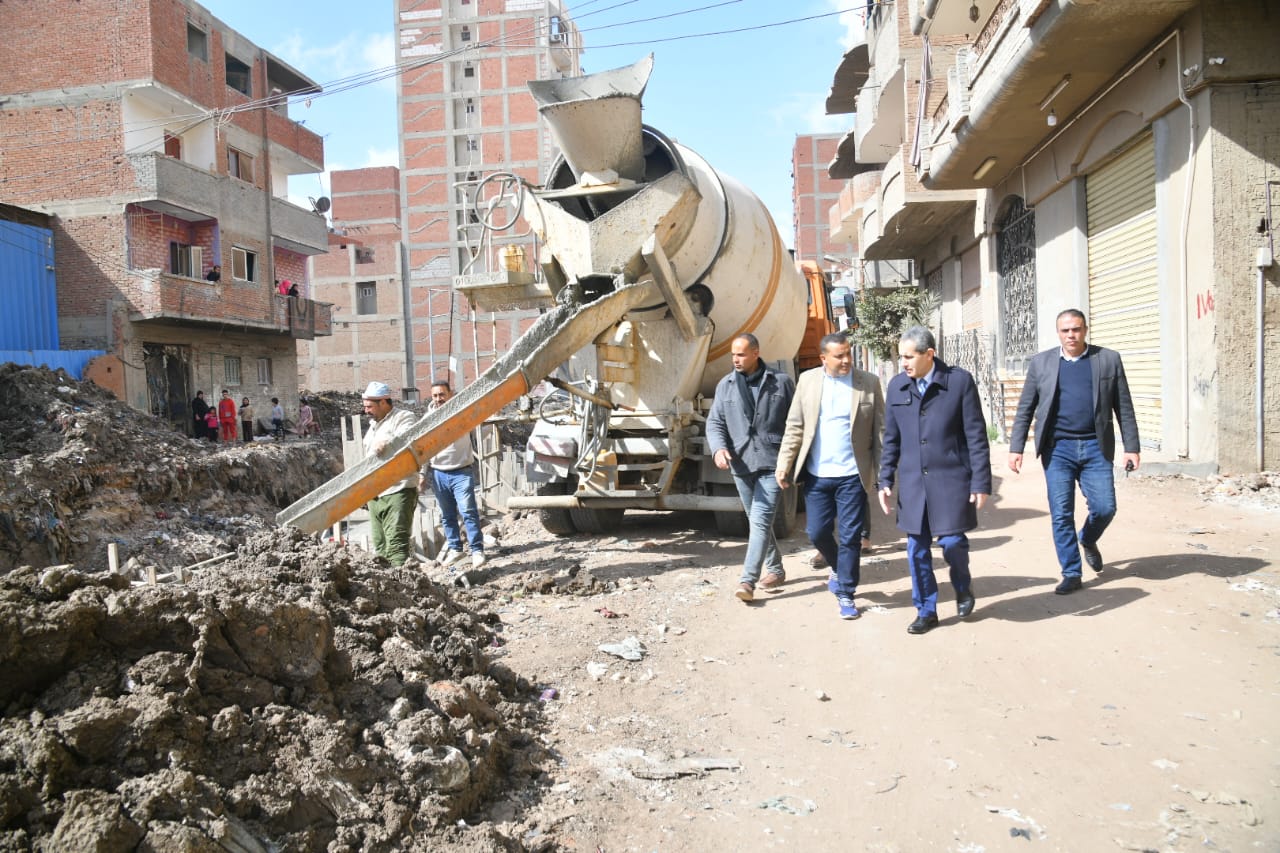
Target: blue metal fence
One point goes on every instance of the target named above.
(28, 291)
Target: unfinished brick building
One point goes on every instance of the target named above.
(362, 276)
(160, 144)
(465, 113)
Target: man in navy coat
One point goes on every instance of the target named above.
(935, 440)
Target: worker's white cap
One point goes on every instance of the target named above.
(376, 391)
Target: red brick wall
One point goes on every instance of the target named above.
(51, 44)
(56, 153)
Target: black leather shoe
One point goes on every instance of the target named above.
(923, 624)
(964, 603)
(1092, 556)
(1068, 586)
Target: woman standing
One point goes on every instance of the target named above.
(246, 420)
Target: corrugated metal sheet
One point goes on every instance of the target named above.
(71, 360)
(1124, 292)
(29, 320)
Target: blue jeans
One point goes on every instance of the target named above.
(838, 502)
(759, 494)
(924, 586)
(1070, 461)
(456, 493)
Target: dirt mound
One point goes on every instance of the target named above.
(80, 469)
(301, 696)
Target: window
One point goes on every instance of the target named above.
(468, 70)
(366, 297)
(197, 42)
(264, 371)
(466, 34)
(473, 144)
(555, 30)
(471, 105)
(185, 260)
(244, 264)
(364, 255)
(231, 369)
(239, 165)
(239, 77)
(172, 145)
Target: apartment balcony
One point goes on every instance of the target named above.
(910, 217)
(1031, 57)
(881, 101)
(842, 220)
(168, 185)
(177, 300)
(949, 17)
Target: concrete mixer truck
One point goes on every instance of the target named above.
(651, 263)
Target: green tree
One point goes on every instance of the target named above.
(883, 316)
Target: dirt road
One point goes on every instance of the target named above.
(1137, 714)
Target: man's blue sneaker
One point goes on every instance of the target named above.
(831, 582)
(847, 609)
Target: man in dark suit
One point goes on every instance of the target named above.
(1073, 391)
(935, 441)
(744, 430)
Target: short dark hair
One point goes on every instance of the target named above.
(752, 340)
(833, 338)
(441, 383)
(1071, 312)
(275, 399)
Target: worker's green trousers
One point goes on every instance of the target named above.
(391, 519)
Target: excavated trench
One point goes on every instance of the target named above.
(297, 695)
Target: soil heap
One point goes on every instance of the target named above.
(80, 469)
(301, 696)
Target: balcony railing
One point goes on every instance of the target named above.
(163, 296)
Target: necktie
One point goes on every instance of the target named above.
(923, 385)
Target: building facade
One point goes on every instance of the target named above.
(362, 277)
(161, 146)
(1119, 158)
(465, 114)
(813, 194)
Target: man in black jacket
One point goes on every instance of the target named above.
(1072, 390)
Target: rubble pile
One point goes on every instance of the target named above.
(301, 696)
(80, 469)
(1261, 490)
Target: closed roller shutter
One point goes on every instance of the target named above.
(1124, 307)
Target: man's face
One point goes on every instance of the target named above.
(377, 409)
(439, 393)
(914, 363)
(746, 358)
(1072, 331)
(837, 359)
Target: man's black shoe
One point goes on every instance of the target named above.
(1068, 586)
(964, 603)
(1092, 556)
(923, 624)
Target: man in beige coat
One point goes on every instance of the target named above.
(832, 439)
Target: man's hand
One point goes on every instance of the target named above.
(784, 482)
(884, 499)
(721, 459)
(978, 499)
(379, 446)
(1132, 459)
(1015, 462)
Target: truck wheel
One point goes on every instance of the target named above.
(597, 520)
(557, 522)
(729, 523)
(784, 522)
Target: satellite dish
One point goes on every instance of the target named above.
(319, 205)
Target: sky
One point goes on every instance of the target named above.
(737, 98)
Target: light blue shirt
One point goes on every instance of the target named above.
(832, 452)
(928, 380)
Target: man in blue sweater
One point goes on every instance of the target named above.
(1072, 391)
